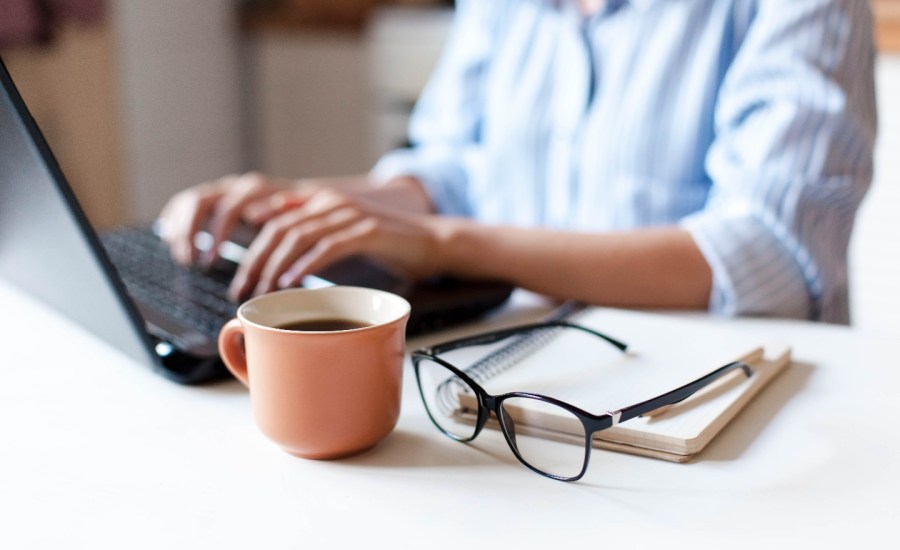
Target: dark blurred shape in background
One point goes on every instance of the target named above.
(29, 22)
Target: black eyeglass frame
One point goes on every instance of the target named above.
(592, 423)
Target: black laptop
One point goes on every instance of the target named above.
(122, 284)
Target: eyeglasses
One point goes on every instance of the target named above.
(460, 407)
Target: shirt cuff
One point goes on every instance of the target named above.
(444, 180)
(753, 272)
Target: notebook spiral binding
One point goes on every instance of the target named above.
(511, 354)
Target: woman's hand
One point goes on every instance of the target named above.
(322, 226)
(218, 205)
(306, 225)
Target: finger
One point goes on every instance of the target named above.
(357, 238)
(228, 211)
(300, 239)
(189, 217)
(258, 254)
(273, 232)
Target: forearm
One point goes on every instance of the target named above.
(644, 268)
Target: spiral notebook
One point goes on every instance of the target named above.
(665, 352)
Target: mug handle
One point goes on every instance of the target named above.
(233, 354)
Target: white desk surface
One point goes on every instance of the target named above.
(98, 452)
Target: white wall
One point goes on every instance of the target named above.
(875, 246)
(200, 100)
(332, 103)
(180, 96)
(311, 102)
(403, 47)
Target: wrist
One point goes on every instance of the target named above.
(454, 245)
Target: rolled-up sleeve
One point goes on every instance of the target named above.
(446, 122)
(791, 161)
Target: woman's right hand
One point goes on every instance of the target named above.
(218, 206)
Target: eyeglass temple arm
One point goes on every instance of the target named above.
(496, 336)
(679, 394)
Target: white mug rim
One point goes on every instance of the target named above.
(248, 317)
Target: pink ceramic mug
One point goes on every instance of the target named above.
(320, 393)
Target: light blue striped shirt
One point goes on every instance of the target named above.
(750, 123)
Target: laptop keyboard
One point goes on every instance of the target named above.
(195, 299)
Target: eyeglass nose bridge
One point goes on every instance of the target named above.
(509, 428)
(486, 404)
(493, 404)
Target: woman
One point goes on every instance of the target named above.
(700, 154)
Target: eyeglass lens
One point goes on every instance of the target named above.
(453, 406)
(518, 416)
(450, 401)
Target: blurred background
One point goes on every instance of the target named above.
(139, 99)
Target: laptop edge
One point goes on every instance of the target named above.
(39, 209)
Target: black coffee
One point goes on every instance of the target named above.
(323, 325)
